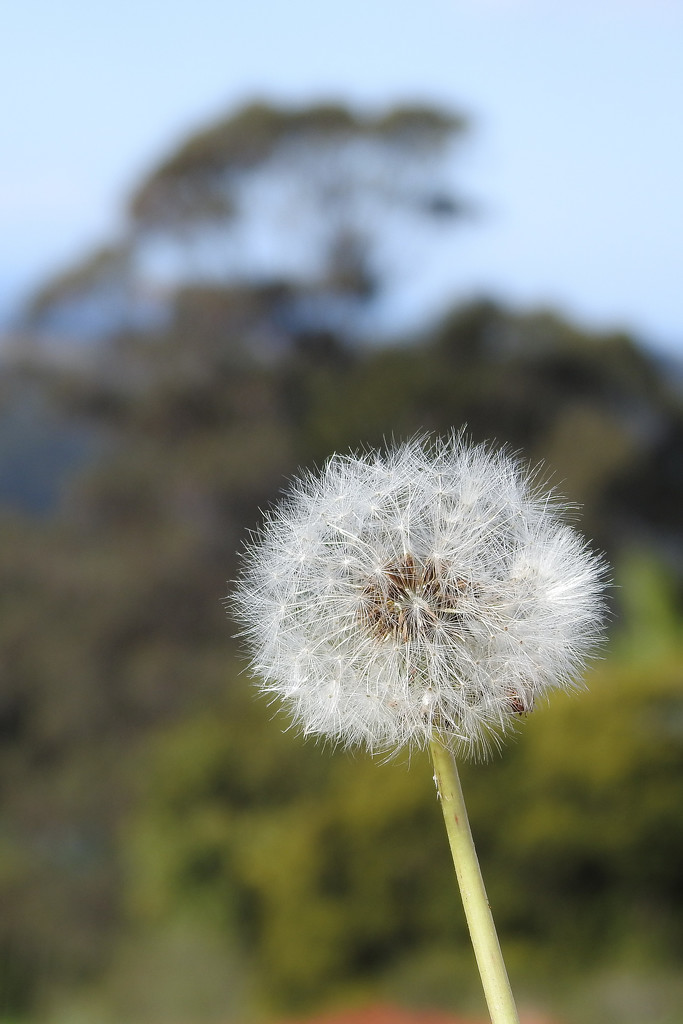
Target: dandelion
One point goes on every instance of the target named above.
(427, 595)
(429, 589)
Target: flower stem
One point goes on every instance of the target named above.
(494, 977)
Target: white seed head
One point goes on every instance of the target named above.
(428, 589)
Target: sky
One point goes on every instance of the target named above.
(574, 161)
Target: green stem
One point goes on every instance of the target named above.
(494, 977)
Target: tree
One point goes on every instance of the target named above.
(313, 197)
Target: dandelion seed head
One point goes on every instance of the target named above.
(431, 588)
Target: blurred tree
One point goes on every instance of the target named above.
(333, 869)
(316, 197)
(116, 654)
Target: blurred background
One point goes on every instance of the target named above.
(234, 240)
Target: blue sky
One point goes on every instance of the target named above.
(575, 159)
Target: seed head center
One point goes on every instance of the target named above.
(410, 599)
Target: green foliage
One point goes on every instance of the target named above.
(323, 864)
(333, 868)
